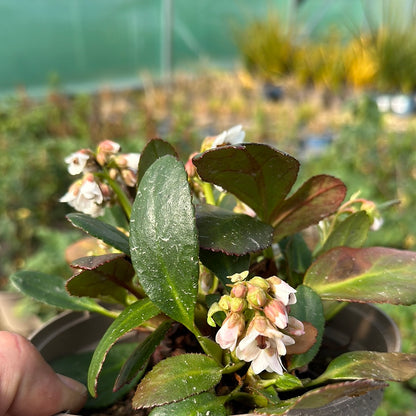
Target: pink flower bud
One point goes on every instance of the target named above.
(129, 177)
(239, 290)
(276, 312)
(238, 304)
(256, 297)
(108, 146)
(260, 282)
(190, 167)
(105, 149)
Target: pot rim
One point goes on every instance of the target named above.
(66, 320)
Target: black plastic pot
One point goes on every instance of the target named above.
(356, 327)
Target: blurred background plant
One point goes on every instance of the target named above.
(380, 55)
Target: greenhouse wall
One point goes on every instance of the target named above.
(81, 45)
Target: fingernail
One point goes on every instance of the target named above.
(73, 384)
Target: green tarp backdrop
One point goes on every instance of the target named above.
(84, 44)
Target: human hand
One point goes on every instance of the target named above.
(29, 386)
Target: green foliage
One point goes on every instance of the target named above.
(34, 177)
(378, 163)
(162, 227)
(177, 378)
(131, 317)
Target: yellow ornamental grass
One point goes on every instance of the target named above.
(361, 67)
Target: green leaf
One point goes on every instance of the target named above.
(109, 275)
(154, 149)
(223, 230)
(164, 241)
(177, 378)
(51, 290)
(314, 399)
(393, 366)
(287, 381)
(317, 198)
(202, 404)
(374, 274)
(137, 361)
(257, 174)
(351, 232)
(308, 308)
(298, 258)
(131, 317)
(223, 265)
(101, 230)
(76, 367)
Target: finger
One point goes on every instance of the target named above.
(28, 385)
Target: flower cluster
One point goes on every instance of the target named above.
(91, 193)
(257, 324)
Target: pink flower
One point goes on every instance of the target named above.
(85, 196)
(282, 291)
(77, 162)
(234, 135)
(263, 346)
(276, 312)
(295, 327)
(230, 331)
(128, 161)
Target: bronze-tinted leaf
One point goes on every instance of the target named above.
(322, 396)
(392, 366)
(257, 174)
(303, 342)
(327, 394)
(317, 198)
(374, 274)
(98, 276)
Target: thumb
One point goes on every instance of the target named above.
(28, 385)
(74, 393)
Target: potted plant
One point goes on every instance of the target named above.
(243, 272)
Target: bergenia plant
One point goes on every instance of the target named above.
(212, 253)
